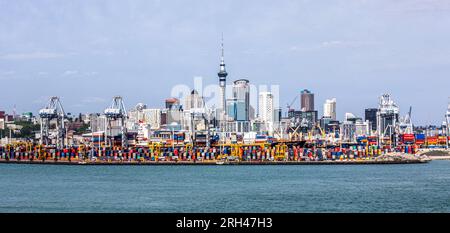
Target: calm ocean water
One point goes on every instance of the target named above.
(334, 188)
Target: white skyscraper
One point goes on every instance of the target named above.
(266, 107)
(329, 108)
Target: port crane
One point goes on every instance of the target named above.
(387, 119)
(288, 106)
(53, 111)
(405, 124)
(293, 126)
(116, 112)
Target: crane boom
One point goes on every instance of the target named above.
(53, 111)
(116, 112)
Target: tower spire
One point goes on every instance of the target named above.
(222, 72)
(222, 58)
(222, 80)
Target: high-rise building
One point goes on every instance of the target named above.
(194, 100)
(222, 81)
(236, 109)
(370, 114)
(241, 93)
(307, 119)
(172, 103)
(153, 118)
(307, 100)
(329, 109)
(266, 110)
(329, 125)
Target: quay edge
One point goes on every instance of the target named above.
(191, 163)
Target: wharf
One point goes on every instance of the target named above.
(212, 162)
(437, 157)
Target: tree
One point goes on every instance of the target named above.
(28, 129)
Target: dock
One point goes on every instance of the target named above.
(213, 163)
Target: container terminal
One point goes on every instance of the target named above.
(188, 130)
(345, 143)
(398, 143)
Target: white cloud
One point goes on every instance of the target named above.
(93, 100)
(30, 56)
(40, 100)
(91, 73)
(8, 72)
(78, 105)
(331, 44)
(70, 72)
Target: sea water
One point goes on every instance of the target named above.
(265, 188)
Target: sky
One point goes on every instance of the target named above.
(86, 52)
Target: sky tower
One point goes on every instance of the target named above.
(222, 81)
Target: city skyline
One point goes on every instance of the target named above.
(297, 45)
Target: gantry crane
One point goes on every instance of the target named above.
(405, 125)
(387, 119)
(53, 111)
(116, 112)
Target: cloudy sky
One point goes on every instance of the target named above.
(87, 51)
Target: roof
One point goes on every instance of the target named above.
(171, 100)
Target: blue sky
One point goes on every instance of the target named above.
(87, 51)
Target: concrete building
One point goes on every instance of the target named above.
(309, 118)
(329, 125)
(241, 93)
(362, 128)
(194, 100)
(329, 109)
(172, 103)
(236, 110)
(307, 100)
(266, 109)
(370, 114)
(2, 123)
(152, 117)
(195, 120)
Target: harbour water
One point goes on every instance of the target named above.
(342, 188)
